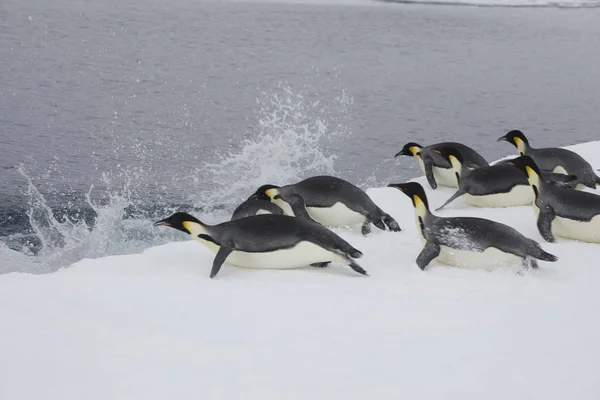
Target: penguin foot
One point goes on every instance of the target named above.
(366, 228)
(321, 264)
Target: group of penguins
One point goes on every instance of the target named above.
(281, 227)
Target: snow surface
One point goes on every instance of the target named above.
(154, 326)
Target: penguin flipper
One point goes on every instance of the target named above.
(428, 254)
(428, 165)
(456, 195)
(220, 258)
(544, 224)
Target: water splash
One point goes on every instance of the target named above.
(291, 140)
(59, 237)
(295, 130)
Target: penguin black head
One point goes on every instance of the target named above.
(178, 221)
(410, 149)
(525, 164)
(261, 192)
(514, 137)
(413, 190)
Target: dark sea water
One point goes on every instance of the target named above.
(114, 113)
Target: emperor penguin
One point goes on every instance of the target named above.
(438, 170)
(560, 211)
(466, 241)
(492, 186)
(555, 159)
(332, 202)
(267, 241)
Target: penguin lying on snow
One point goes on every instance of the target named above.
(438, 170)
(563, 212)
(331, 201)
(493, 186)
(555, 159)
(466, 241)
(267, 241)
(499, 185)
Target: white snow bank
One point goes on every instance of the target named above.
(154, 326)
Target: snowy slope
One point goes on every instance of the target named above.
(154, 326)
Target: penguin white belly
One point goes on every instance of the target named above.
(301, 255)
(488, 259)
(579, 230)
(443, 176)
(559, 169)
(261, 212)
(336, 215)
(519, 195)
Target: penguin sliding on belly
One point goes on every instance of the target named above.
(494, 186)
(468, 242)
(267, 241)
(332, 202)
(563, 212)
(555, 159)
(438, 170)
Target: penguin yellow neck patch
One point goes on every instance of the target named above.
(455, 163)
(520, 145)
(193, 228)
(271, 192)
(419, 205)
(532, 176)
(414, 150)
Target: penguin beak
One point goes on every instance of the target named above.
(510, 163)
(162, 222)
(502, 139)
(395, 185)
(402, 153)
(254, 196)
